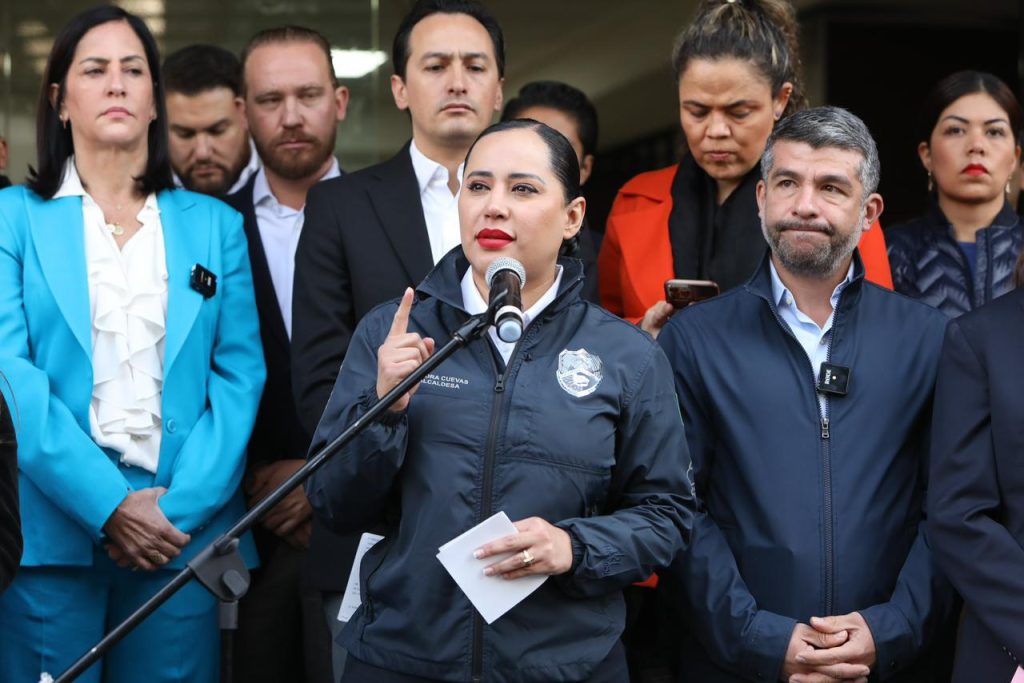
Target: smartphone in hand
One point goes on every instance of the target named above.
(682, 293)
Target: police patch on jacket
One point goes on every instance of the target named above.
(579, 372)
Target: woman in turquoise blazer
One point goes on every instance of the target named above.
(103, 532)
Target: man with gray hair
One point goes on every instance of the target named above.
(807, 397)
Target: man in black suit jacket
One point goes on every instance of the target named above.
(375, 232)
(293, 105)
(976, 489)
(10, 521)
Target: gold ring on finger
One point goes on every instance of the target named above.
(528, 559)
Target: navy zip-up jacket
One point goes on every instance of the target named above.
(598, 450)
(805, 515)
(929, 265)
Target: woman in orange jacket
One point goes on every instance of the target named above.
(738, 72)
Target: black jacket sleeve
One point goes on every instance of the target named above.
(739, 635)
(651, 495)
(971, 541)
(323, 311)
(10, 522)
(351, 491)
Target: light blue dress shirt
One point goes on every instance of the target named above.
(814, 340)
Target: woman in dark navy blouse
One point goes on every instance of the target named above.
(961, 253)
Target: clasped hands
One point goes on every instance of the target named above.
(140, 535)
(838, 648)
(292, 518)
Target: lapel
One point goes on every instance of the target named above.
(271, 320)
(186, 245)
(646, 254)
(396, 201)
(58, 236)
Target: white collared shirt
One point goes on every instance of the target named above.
(440, 206)
(474, 304)
(280, 227)
(249, 171)
(128, 309)
(813, 339)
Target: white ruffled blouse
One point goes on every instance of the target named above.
(128, 302)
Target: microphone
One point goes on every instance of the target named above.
(506, 277)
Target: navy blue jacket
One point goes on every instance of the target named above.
(977, 485)
(609, 466)
(928, 264)
(805, 517)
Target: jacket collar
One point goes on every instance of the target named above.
(760, 283)
(444, 282)
(1006, 218)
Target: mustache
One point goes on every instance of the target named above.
(810, 226)
(289, 138)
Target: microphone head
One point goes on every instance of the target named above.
(505, 263)
(510, 330)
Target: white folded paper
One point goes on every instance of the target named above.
(492, 596)
(353, 597)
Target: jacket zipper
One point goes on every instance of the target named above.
(488, 493)
(826, 451)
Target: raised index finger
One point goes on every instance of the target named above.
(401, 322)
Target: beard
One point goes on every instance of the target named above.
(216, 185)
(295, 164)
(809, 258)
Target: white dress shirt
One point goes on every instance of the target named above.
(440, 206)
(474, 303)
(128, 309)
(280, 227)
(813, 339)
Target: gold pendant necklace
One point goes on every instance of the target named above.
(115, 228)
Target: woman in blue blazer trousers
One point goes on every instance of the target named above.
(75, 581)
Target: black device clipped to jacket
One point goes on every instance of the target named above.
(203, 281)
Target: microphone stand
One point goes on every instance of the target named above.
(219, 566)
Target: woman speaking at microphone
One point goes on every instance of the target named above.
(571, 431)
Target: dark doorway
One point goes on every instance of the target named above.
(883, 72)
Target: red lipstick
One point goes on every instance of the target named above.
(975, 169)
(492, 239)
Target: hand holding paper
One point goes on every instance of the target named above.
(492, 596)
(538, 547)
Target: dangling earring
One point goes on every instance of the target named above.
(931, 183)
(1008, 187)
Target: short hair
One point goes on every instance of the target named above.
(822, 127)
(54, 144)
(561, 97)
(425, 8)
(289, 34)
(957, 85)
(761, 32)
(198, 68)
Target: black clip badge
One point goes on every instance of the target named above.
(203, 281)
(834, 379)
